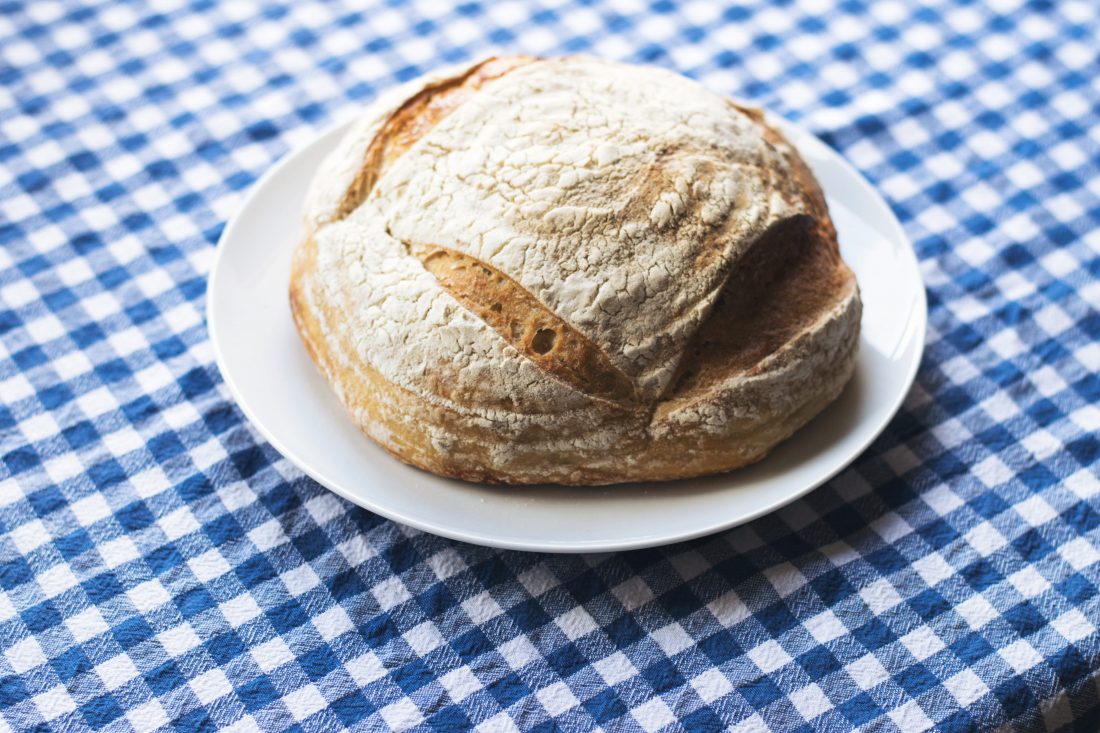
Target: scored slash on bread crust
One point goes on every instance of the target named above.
(455, 354)
(413, 119)
(526, 324)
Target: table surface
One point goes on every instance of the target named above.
(160, 565)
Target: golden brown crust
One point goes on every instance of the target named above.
(774, 349)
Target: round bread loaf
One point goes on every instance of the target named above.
(573, 271)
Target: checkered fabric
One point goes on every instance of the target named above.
(161, 566)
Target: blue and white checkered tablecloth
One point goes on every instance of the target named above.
(162, 567)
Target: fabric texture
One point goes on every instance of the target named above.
(162, 566)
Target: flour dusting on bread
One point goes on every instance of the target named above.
(527, 288)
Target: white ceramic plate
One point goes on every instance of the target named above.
(269, 373)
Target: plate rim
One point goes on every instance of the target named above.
(789, 128)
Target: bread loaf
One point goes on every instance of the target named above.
(574, 271)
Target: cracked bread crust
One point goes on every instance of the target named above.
(531, 271)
